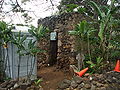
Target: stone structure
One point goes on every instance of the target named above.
(60, 24)
(106, 81)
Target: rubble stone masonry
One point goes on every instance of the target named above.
(66, 43)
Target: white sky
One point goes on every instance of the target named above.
(38, 9)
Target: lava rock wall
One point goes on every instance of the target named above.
(66, 43)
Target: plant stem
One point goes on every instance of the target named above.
(89, 47)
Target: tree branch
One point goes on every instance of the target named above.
(1, 4)
(18, 4)
(51, 2)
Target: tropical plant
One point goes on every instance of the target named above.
(39, 32)
(23, 48)
(37, 82)
(5, 33)
(107, 25)
(5, 37)
(32, 49)
(81, 31)
(19, 41)
(101, 36)
(82, 6)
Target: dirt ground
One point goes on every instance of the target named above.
(51, 77)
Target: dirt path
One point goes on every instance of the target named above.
(51, 78)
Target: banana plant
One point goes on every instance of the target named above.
(106, 25)
(104, 16)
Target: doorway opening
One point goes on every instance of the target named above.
(53, 48)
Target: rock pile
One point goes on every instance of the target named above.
(21, 85)
(107, 81)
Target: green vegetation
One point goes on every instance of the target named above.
(5, 37)
(100, 37)
(37, 82)
(18, 40)
(97, 41)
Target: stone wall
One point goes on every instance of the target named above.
(61, 24)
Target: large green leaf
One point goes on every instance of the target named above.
(31, 31)
(100, 34)
(41, 31)
(30, 44)
(83, 26)
(105, 9)
(73, 33)
(97, 9)
(81, 29)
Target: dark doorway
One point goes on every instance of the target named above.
(53, 48)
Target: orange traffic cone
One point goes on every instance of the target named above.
(81, 72)
(117, 67)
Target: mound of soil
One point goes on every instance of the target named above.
(51, 77)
